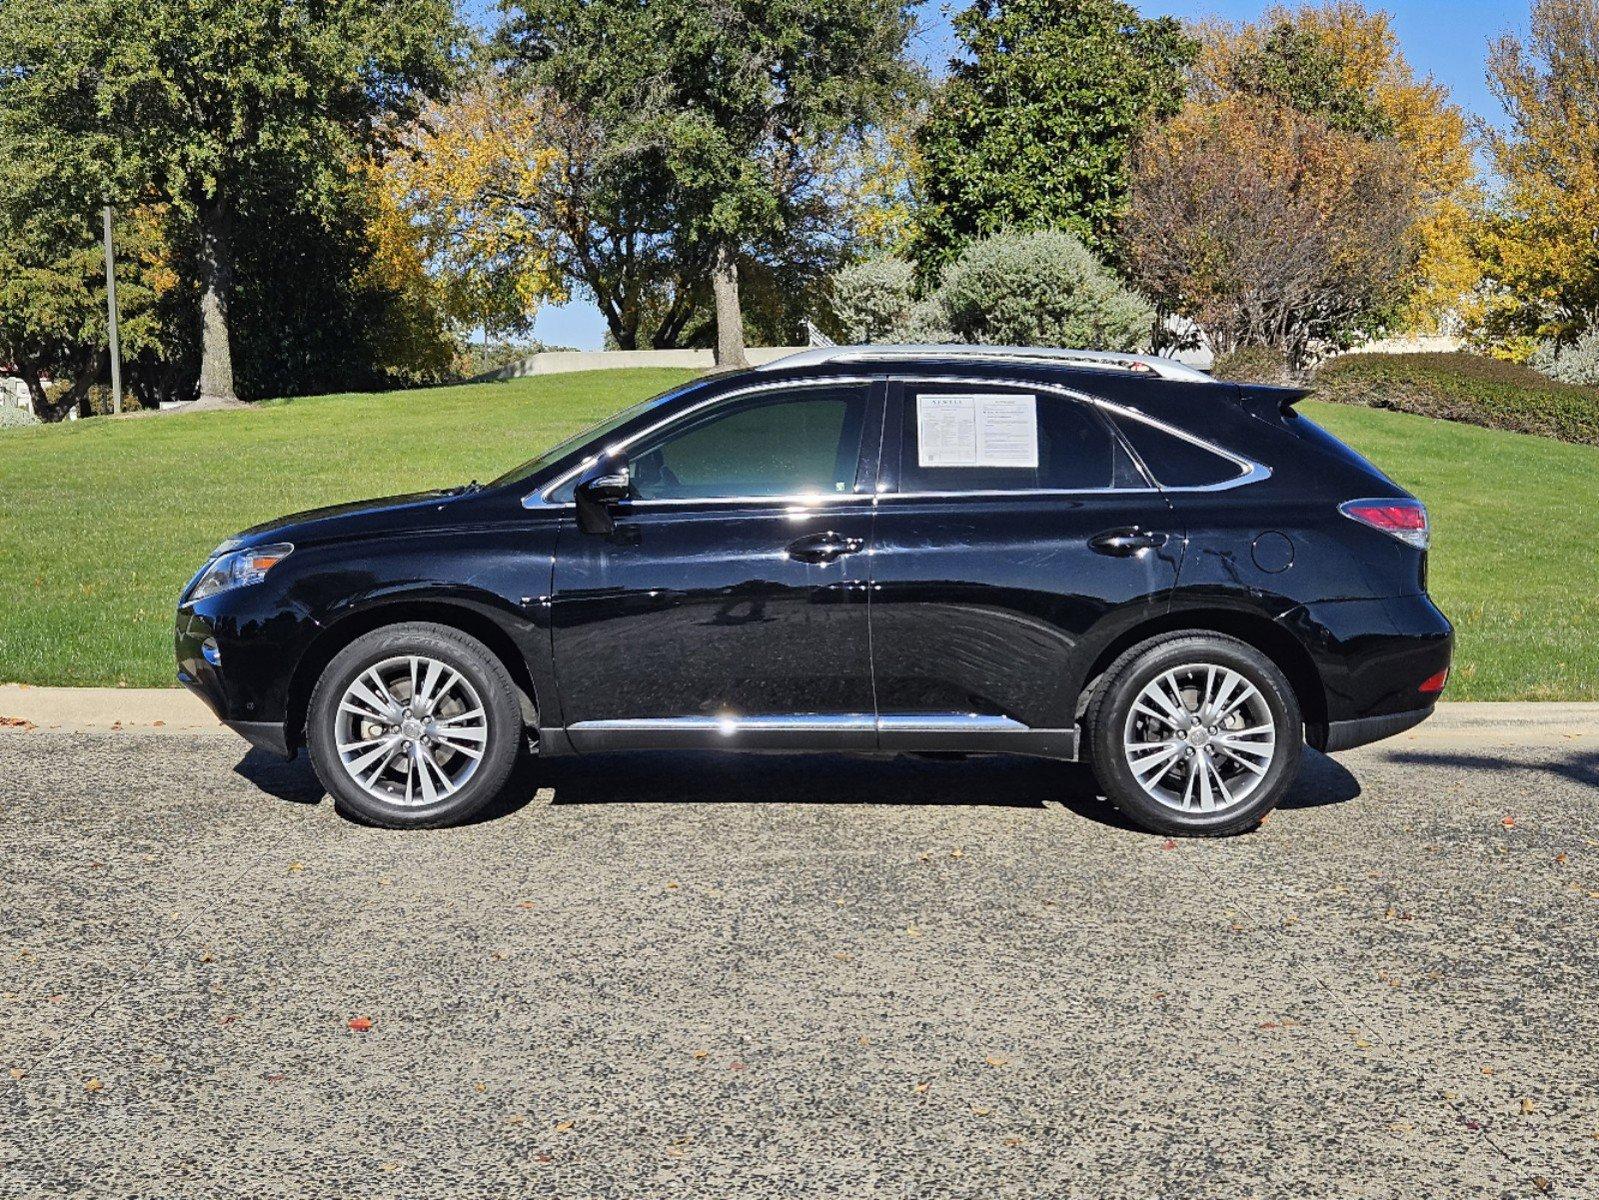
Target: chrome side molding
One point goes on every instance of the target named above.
(956, 732)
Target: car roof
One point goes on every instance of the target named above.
(932, 354)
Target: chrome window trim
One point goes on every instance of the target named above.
(1250, 471)
(540, 497)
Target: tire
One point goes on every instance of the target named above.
(415, 771)
(1198, 778)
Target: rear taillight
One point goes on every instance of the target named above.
(1434, 684)
(1402, 519)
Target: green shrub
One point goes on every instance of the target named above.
(1464, 387)
(1251, 364)
(1041, 289)
(872, 300)
(1576, 363)
(16, 418)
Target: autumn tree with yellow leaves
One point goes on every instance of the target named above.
(1341, 63)
(1539, 245)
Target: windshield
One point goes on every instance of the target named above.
(580, 439)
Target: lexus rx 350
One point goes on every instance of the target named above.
(876, 549)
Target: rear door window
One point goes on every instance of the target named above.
(981, 438)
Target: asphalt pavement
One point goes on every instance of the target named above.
(679, 975)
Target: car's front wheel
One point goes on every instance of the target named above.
(1195, 734)
(414, 726)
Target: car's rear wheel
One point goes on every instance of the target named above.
(1195, 734)
(414, 726)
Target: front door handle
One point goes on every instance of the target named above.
(823, 547)
(1122, 543)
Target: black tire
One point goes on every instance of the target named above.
(1112, 706)
(483, 673)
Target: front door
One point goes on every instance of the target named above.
(729, 606)
(1015, 538)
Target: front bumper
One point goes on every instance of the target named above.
(236, 708)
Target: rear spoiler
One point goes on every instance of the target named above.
(1268, 400)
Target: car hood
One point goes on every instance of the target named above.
(361, 518)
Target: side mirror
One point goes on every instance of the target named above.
(601, 486)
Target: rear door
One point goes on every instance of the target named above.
(1015, 538)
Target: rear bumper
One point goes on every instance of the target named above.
(1346, 735)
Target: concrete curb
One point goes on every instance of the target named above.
(171, 710)
(174, 710)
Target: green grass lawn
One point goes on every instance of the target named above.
(103, 521)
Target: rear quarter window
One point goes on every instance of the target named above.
(1175, 461)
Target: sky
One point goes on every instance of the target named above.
(1447, 40)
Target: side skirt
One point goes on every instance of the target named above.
(968, 733)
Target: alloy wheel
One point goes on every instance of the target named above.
(411, 730)
(1200, 738)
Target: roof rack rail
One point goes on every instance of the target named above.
(1165, 368)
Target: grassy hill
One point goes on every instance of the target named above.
(103, 521)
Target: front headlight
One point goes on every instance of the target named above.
(237, 569)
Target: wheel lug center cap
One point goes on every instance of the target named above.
(1197, 736)
(410, 729)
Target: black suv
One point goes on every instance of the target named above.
(877, 548)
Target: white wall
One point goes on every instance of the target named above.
(561, 362)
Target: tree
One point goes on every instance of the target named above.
(1538, 244)
(53, 300)
(201, 103)
(1032, 129)
(518, 197)
(1269, 227)
(724, 114)
(1338, 62)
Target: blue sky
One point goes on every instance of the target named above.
(1448, 41)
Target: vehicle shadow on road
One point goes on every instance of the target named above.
(1580, 768)
(708, 777)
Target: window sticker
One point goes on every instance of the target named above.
(977, 430)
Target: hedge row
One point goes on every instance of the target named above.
(1464, 387)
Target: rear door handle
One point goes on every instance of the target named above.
(823, 547)
(1122, 543)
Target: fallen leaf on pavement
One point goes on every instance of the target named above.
(921, 1088)
(1013, 1141)
(1528, 1105)
(912, 931)
(17, 1072)
(360, 1024)
(735, 1066)
(92, 1085)
(1168, 844)
(296, 867)
(981, 1112)
(17, 723)
(701, 1055)
(842, 955)
(1509, 822)
(997, 1060)
(957, 853)
(563, 1127)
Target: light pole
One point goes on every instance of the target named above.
(111, 316)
